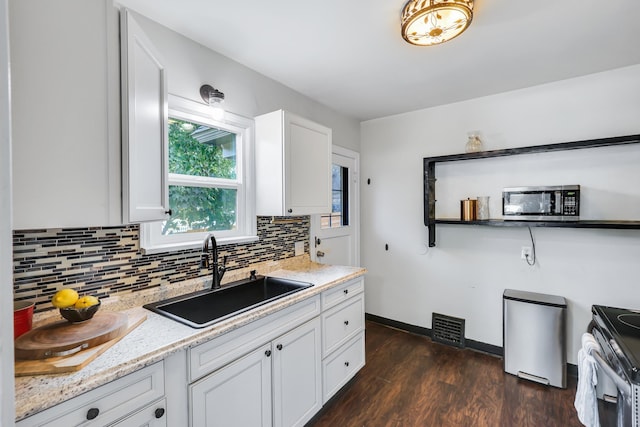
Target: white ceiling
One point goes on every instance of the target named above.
(349, 55)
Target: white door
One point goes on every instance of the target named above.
(335, 238)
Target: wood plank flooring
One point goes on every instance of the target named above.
(411, 381)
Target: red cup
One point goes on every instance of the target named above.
(22, 317)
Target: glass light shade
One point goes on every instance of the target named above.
(217, 110)
(214, 98)
(431, 22)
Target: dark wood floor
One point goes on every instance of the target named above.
(410, 381)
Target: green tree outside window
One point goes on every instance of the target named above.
(199, 151)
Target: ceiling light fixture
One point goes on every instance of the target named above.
(430, 22)
(214, 98)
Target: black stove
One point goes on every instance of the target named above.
(621, 328)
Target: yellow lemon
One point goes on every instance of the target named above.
(86, 301)
(64, 298)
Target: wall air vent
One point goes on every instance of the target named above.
(447, 330)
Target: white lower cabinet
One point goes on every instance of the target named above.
(111, 404)
(275, 371)
(278, 383)
(281, 369)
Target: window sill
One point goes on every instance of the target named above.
(173, 247)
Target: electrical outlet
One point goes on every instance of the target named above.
(525, 253)
(299, 248)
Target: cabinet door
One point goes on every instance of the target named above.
(307, 166)
(297, 388)
(237, 395)
(144, 126)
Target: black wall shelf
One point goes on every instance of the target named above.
(429, 164)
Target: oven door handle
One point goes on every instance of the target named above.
(623, 386)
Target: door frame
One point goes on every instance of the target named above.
(354, 207)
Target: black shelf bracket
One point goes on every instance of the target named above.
(429, 166)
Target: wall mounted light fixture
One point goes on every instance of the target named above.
(430, 22)
(214, 98)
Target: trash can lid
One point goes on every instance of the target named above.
(534, 298)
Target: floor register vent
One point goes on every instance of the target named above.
(447, 330)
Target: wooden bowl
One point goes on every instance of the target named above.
(77, 315)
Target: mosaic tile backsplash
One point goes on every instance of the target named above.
(104, 261)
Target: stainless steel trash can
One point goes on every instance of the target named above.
(534, 336)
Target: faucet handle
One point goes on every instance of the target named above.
(252, 274)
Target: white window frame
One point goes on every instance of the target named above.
(151, 238)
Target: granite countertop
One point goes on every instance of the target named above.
(144, 346)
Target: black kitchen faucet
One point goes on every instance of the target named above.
(218, 271)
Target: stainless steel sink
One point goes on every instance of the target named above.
(204, 308)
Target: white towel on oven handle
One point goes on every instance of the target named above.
(586, 401)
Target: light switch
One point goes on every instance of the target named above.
(299, 248)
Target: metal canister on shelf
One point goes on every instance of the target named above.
(468, 209)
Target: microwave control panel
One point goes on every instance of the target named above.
(570, 202)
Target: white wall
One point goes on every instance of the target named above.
(468, 270)
(247, 92)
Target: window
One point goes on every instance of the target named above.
(209, 178)
(339, 216)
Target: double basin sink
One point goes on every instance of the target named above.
(204, 308)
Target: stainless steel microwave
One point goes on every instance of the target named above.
(546, 203)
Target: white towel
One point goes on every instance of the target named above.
(586, 402)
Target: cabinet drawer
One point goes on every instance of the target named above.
(153, 415)
(342, 323)
(110, 402)
(206, 358)
(341, 366)
(340, 293)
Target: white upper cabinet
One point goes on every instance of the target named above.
(65, 96)
(144, 126)
(293, 165)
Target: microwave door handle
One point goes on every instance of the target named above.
(620, 383)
